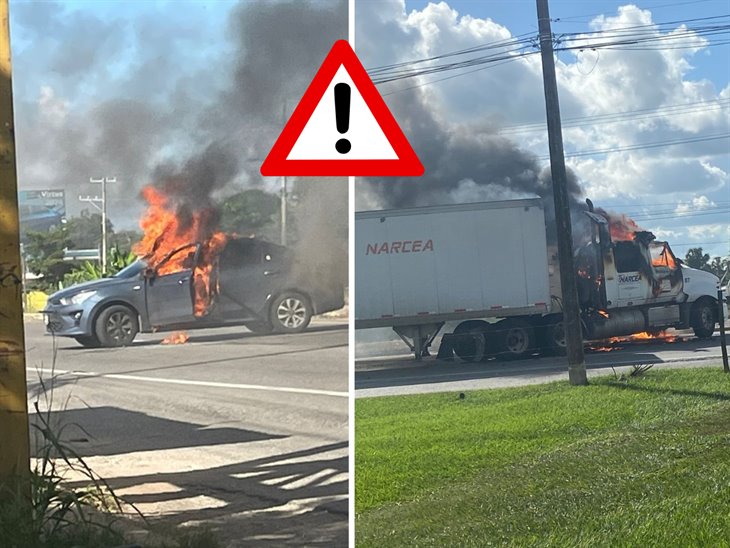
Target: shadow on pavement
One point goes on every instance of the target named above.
(104, 431)
(436, 371)
(295, 497)
(243, 335)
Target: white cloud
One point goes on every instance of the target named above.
(52, 108)
(590, 84)
(697, 203)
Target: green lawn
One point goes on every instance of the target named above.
(639, 463)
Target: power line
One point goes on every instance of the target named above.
(658, 204)
(656, 144)
(522, 46)
(574, 18)
(617, 117)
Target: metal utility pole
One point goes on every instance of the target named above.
(283, 190)
(571, 312)
(283, 210)
(95, 201)
(14, 436)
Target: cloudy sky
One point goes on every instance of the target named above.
(139, 89)
(663, 101)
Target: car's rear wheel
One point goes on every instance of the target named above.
(89, 341)
(290, 313)
(116, 326)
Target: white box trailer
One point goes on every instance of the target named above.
(488, 265)
(418, 268)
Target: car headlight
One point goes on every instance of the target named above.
(77, 299)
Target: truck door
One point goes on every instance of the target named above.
(169, 294)
(632, 281)
(668, 276)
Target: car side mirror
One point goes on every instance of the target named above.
(149, 274)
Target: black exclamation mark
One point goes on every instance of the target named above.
(342, 115)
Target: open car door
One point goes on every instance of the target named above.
(169, 289)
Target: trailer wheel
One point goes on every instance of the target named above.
(515, 339)
(702, 318)
(555, 338)
(471, 348)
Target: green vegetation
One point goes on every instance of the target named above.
(637, 462)
(719, 266)
(44, 251)
(116, 261)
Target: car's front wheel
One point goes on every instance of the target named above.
(88, 341)
(116, 326)
(290, 313)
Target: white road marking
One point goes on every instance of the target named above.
(183, 382)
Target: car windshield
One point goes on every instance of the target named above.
(132, 270)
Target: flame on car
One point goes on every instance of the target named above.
(166, 229)
(178, 337)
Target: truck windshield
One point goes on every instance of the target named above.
(132, 270)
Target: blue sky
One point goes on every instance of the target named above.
(520, 16)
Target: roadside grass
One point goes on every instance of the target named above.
(637, 462)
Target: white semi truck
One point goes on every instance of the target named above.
(489, 266)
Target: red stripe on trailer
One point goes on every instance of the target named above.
(496, 307)
(423, 313)
(460, 310)
(387, 316)
(540, 304)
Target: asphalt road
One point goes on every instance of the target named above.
(401, 374)
(246, 433)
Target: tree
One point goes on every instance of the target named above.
(44, 256)
(44, 250)
(249, 211)
(696, 259)
(124, 239)
(720, 267)
(84, 231)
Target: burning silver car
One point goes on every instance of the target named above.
(251, 282)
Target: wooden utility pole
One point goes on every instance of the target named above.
(571, 312)
(14, 436)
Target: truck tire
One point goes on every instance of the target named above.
(702, 318)
(471, 349)
(515, 339)
(291, 312)
(554, 333)
(88, 341)
(116, 325)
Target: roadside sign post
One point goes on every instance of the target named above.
(14, 429)
(721, 321)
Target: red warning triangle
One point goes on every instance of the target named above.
(310, 142)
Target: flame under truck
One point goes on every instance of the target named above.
(489, 266)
